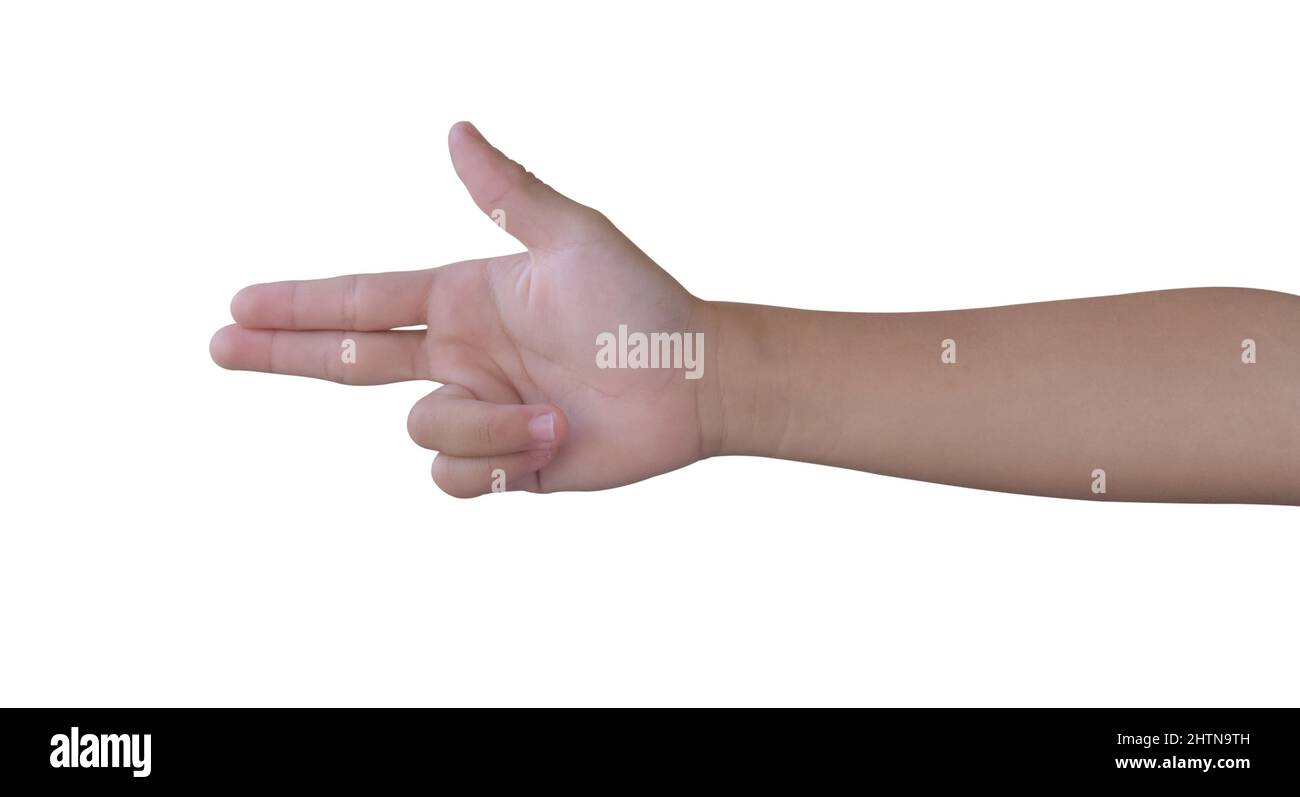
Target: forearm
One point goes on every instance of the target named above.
(1149, 388)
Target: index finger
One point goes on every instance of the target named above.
(362, 302)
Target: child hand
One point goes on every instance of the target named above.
(512, 339)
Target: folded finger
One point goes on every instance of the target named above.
(452, 420)
(467, 477)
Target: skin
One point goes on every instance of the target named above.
(1151, 388)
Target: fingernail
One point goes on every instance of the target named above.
(542, 428)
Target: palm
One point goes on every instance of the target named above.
(518, 332)
(523, 329)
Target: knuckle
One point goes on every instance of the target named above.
(581, 223)
(414, 424)
(445, 476)
(351, 301)
(488, 433)
(588, 219)
(422, 424)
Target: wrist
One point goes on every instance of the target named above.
(745, 405)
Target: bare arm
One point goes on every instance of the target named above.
(1182, 395)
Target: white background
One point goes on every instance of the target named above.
(175, 534)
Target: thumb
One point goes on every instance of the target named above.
(534, 213)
